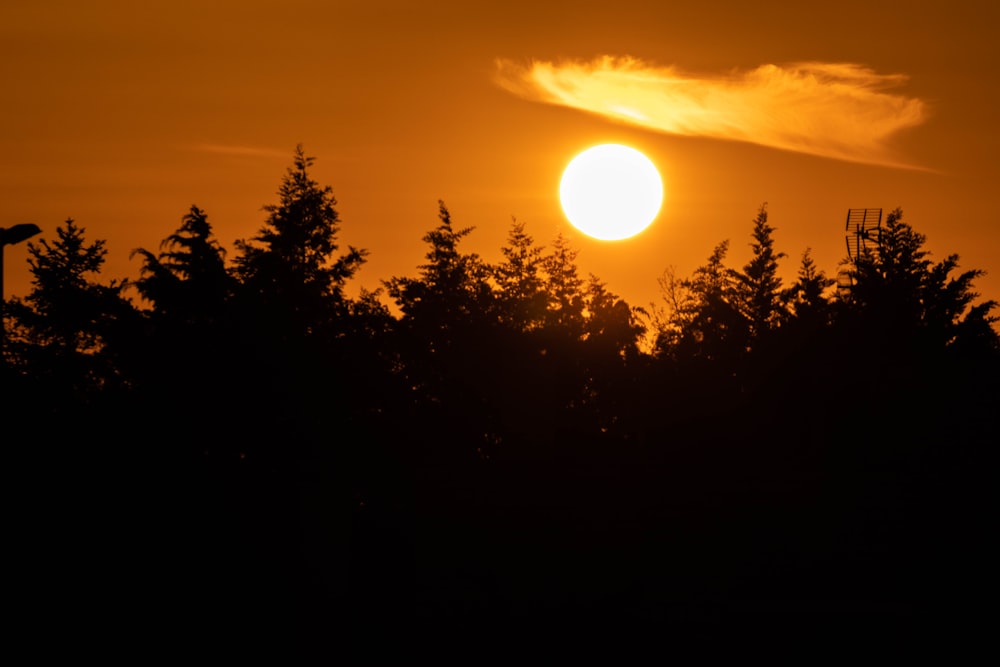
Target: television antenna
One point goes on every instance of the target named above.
(863, 234)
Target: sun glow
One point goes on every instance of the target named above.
(611, 192)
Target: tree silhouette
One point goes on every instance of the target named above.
(521, 282)
(758, 292)
(499, 441)
(703, 321)
(452, 289)
(68, 318)
(807, 296)
(186, 373)
(565, 288)
(293, 272)
(801, 354)
(292, 320)
(448, 319)
(188, 280)
(611, 359)
(66, 307)
(914, 301)
(611, 323)
(71, 342)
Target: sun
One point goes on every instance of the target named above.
(611, 192)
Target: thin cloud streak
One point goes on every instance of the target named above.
(834, 110)
(240, 151)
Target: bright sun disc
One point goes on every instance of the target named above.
(611, 192)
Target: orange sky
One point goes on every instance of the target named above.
(122, 115)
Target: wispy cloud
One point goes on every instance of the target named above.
(241, 151)
(835, 110)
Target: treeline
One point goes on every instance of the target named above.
(310, 447)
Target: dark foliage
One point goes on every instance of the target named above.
(306, 472)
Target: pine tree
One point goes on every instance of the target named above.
(447, 328)
(188, 280)
(565, 289)
(758, 288)
(520, 281)
(807, 296)
(703, 319)
(68, 309)
(290, 267)
(611, 323)
(901, 292)
(70, 332)
(452, 290)
(189, 361)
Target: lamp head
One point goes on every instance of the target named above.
(17, 233)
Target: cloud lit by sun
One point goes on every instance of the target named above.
(834, 110)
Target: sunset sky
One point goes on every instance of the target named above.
(122, 115)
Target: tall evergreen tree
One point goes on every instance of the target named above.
(292, 318)
(565, 289)
(807, 297)
(188, 280)
(520, 281)
(189, 364)
(453, 287)
(907, 296)
(610, 351)
(70, 332)
(611, 323)
(758, 287)
(446, 328)
(703, 321)
(68, 311)
(291, 267)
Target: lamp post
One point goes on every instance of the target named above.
(10, 236)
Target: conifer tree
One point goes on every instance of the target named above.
(703, 319)
(565, 290)
(611, 323)
(758, 287)
(452, 290)
(447, 327)
(67, 309)
(291, 267)
(189, 363)
(188, 280)
(807, 296)
(908, 297)
(520, 281)
(70, 331)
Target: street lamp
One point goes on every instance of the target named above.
(10, 236)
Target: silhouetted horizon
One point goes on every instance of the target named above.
(277, 465)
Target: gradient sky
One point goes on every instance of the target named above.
(122, 115)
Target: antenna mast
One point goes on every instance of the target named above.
(863, 234)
